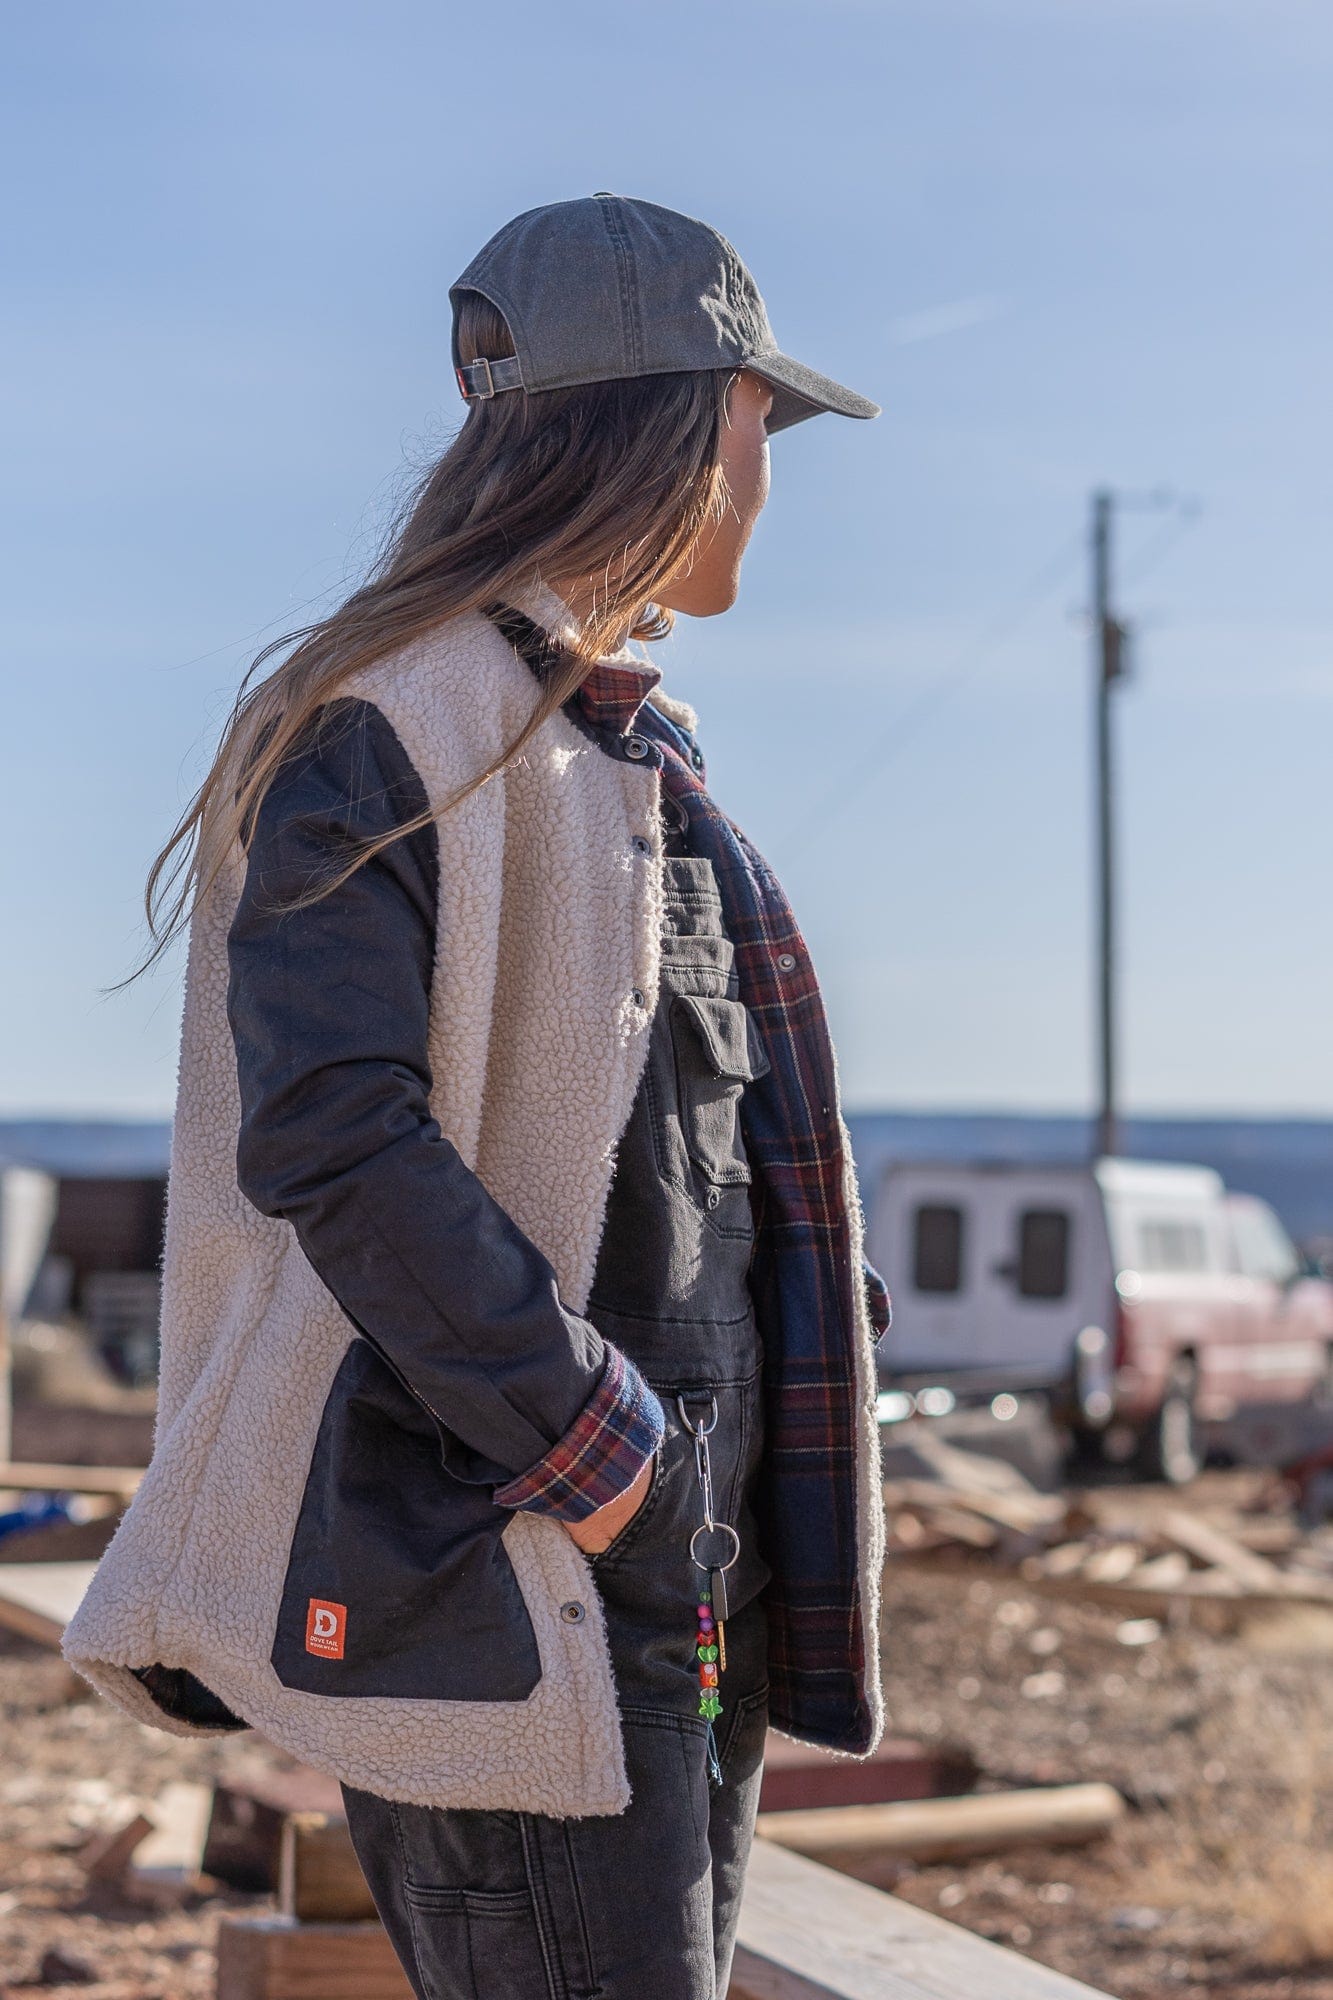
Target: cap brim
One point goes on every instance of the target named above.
(800, 392)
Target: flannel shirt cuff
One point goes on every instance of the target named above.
(879, 1304)
(600, 1455)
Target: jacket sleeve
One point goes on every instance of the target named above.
(329, 1008)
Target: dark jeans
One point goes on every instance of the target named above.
(640, 1905)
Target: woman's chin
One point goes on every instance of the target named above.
(707, 600)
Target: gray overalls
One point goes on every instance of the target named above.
(512, 1906)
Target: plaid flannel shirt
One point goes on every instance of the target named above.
(801, 1273)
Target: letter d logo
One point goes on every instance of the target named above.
(325, 1629)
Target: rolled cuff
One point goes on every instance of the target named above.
(600, 1455)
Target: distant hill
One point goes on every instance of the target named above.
(117, 1148)
(1287, 1161)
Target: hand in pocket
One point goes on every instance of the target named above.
(598, 1530)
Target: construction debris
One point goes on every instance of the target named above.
(1116, 1544)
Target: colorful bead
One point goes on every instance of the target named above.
(706, 1644)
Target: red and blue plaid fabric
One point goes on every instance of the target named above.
(600, 1455)
(802, 1280)
(801, 1275)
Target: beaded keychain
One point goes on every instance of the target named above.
(710, 1639)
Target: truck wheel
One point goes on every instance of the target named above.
(1172, 1447)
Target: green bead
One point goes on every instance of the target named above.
(711, 1707)
(708, 1653)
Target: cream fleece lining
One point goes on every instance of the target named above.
(545, 982)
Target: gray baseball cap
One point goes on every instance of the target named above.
(607, 287)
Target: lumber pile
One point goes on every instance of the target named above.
(1105, 1546)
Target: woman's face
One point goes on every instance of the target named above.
(711, 578)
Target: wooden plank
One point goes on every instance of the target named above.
(272, 1958)
(250, 1807)
(797, 1775)
(78, 1436)
(943, 1829)
(1211, 1588)
(1254, 1573)
(319, 1876)
(66, 1541)
(37, 1600)
(1022, 1511)
(1161, 1572)
(107, 1856)
(807, 1933)
(1113, 1564)
(173, 1851)
(121, 1481)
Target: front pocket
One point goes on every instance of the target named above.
(718, 1052)
(639, 1519)
(398, 1581)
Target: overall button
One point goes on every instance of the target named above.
(573, 1613)
(636, 747)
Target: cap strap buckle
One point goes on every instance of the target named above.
(480, 380)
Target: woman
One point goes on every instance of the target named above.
(516, 1457)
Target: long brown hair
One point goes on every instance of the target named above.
(614, 481)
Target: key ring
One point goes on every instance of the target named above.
(715, 1528)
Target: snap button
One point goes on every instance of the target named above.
(573, 1613)
(642, 846)
(636, 996)
(786, 961)
(635, 747)
(697, 758)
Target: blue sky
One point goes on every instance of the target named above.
(1060, 243)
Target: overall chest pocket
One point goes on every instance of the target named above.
(717, 1052)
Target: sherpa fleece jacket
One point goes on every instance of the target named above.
(541, 993)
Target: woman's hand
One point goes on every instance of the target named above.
(598, 1530)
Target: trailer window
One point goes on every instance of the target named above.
(1172, 1246)
(1043, 1253)
(937, 1259)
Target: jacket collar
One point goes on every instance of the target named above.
(614, 689)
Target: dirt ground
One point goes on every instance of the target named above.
(1219, 1881)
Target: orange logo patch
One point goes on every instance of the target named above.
(326, 1629)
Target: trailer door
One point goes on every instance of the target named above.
(993, 1270)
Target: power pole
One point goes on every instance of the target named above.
(1108, 649)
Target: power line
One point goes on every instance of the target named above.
(896, 734)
